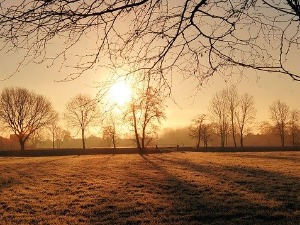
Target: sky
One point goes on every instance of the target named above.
(186, 101)
(185, 104)
(264, 87)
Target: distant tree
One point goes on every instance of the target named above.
(82, 111)
(109, 133)
(144, 113)
(109, 130)
(268, 133)
(245, 114)
(58, 134)
(37, 137)
(219, 114)
(207, 133)
(294, 126)
(196, 129)
(266, 128)
(280, 115)
(178, 136)
(25, 112)
(232, 98)
(61, 136)
(232, 112)
(53, 129)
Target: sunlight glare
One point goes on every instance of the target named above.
(120, 93)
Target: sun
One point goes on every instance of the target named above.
(120, 93)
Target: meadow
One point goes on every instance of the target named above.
(166, 188)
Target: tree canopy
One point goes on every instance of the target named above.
(158, 37)
(81, 112)
(144, 113)
(25, 112)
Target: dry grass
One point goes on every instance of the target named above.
(173, 188)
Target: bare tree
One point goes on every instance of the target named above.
(201, 130)
(207, 133)
(196, 129)
(231, 110)
(53, 127)
(37, 137)
(266, 128)
(279, 115)
(58, 134)
(25, 112)
(81, 112)
(109, 133)
(245, 114)
(219, 113)
(110, 129)
(233, 102)
(268, 132)
(61, 136)
(144, 113)
(198, 38)
(294, 127)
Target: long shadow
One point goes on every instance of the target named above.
(26, 169)
(153, 195)
(285, 189)
(268, 156)
(274, 186)
(198, 203)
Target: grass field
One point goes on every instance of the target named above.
(171, 188)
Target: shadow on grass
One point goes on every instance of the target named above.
(158, 189)
(242, 194)
(284, 189)
(145, 189)
(192, 202)
(267, 156)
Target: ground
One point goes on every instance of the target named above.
(168, 188)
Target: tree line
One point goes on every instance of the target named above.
(26, 114)
(230, 116)
(198, 39)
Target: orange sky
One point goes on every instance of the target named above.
(265, 88)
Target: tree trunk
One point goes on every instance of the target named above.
(143, 137)
(114, 141)
(222, 138)
(282, 140)
(293, 139)
(22, 144)
(143, 142)
(53, 141)
(281, 131)
(242, 141)
(138, 145)
(198, 138)
(233, 131)
(83, 139)
(114, 144)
